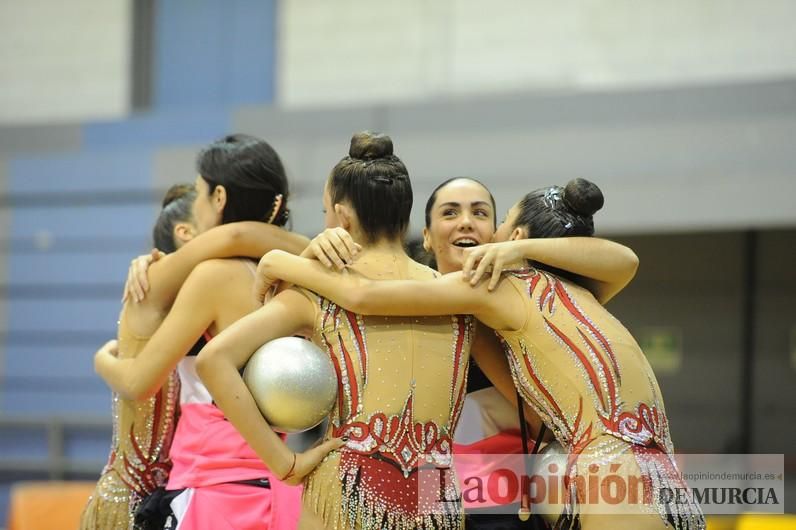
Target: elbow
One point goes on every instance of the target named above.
(206, 363)
(268, 262)
(137, 392)
(210, 363)
(359, 302)
(137, 386)
(203, 364)
(632, 265)
(127, 386)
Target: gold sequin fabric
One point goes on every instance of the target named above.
(138, 462)
(401, 385)
(589, 381)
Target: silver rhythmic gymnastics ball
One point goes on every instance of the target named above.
(292, 382)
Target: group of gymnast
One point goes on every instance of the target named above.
(430, 364)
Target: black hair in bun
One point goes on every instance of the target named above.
(376, 184)
(177, 191)
(583, 197)
(368, 145)
(560, 212)
(176, 208)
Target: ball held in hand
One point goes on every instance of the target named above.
(293, 383)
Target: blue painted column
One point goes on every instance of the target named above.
(214, 53)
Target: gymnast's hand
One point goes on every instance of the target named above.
(304, 463)
(137, 283)
(490, 257)
(333, 246)
(264, 285)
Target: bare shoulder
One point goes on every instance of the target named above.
(215, 271)
(418, 271)
(219, 263)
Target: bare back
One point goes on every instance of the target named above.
(235, 283)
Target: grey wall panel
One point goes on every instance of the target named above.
(21, 140)
(539, 110)
(173, 165)
(678, 159)
(271, 122)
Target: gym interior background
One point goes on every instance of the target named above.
(683, 112)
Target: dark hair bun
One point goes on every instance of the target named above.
(583, 197)
(177, 191)
(368, 145)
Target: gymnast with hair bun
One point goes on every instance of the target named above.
(396, 376)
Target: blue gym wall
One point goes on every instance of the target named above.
(79, 215)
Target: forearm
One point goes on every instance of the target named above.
(341, 287)
(113, 371)
(598, 259)
(254, 239)
(231, 395)
(248, 238)
(443, 296)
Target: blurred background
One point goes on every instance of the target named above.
(683, 112)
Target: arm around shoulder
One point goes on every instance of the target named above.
(345, 289)
(607, 266)
(193, 312)
(247, 238)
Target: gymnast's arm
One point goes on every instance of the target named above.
(446, 295)
(247, 238)
(605, 266)
(193, 312)
(219, 361)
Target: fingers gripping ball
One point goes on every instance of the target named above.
(293, 383)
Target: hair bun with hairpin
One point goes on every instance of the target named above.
(583, 197)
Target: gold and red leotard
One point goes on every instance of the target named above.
(401, 385)
(139, 461)
(587, 378)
